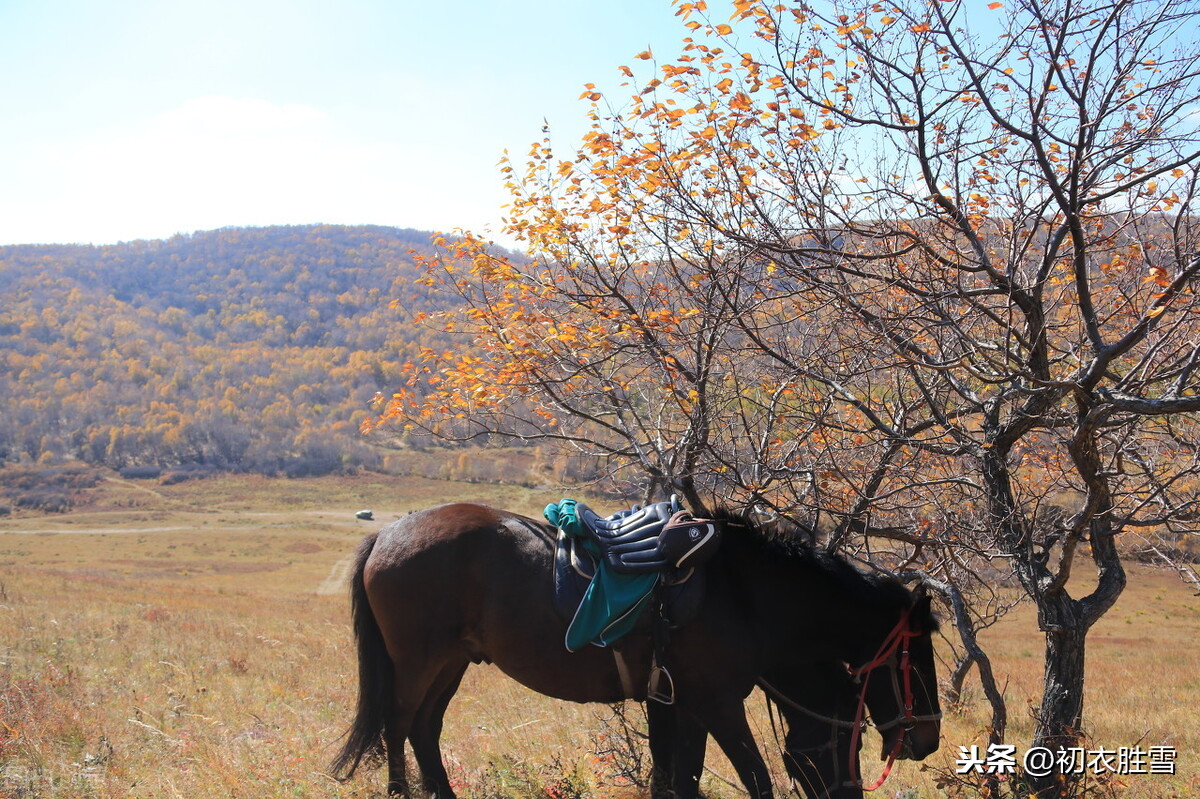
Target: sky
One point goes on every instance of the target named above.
(140, 119)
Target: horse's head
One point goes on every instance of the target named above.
(817, 702)
(901, 684)
(882, 631)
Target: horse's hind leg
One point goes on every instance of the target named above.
(413, 689)
(394, 736)
(427, 730)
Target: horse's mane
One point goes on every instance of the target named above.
(791, 541)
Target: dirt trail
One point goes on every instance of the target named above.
(338, 578)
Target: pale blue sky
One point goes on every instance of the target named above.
(128, 119)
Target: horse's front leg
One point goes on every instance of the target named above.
(661, 721)
(677, 744)
(725, 719)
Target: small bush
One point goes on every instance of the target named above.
(191, 471)
(46, 501)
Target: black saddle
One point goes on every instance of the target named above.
(655, 538)
(660, 538)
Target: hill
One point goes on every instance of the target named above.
(246, 349)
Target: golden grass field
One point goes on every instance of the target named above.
(193, 641)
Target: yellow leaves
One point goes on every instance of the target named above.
(846, 27)
(723, 86)
(671, 70)
(723, 30)
(803, 133)
(645, 55)
(742, 8)
(994, 6)
(740, 102)
(1159, 276)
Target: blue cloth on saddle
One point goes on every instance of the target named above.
(613, 601)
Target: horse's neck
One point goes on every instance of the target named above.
(831, 612)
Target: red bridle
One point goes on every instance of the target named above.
(897, 640)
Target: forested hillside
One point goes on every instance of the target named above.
(245, 349)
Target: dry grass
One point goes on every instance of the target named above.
(204, 650)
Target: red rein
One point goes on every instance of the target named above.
(897, 639)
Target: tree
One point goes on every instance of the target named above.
(898, 271)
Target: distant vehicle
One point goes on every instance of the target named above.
(365, 516)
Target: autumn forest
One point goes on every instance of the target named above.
(237, 349)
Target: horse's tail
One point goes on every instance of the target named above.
(375, 681)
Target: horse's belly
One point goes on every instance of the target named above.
(590, 675)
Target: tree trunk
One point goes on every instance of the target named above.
(1061, 713)
(956, 678)
(1060, 716)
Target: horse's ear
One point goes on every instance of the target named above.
(922, 610)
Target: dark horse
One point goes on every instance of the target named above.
(460, 584)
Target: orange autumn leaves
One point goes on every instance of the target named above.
(690, 170)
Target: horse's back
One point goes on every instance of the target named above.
(444, 567)
(448, 541)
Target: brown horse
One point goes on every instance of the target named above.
(461, 583)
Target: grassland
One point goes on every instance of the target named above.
(192, 641)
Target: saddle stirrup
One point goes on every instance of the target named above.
(659, 674)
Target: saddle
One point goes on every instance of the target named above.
(609, 569)
(652, 539)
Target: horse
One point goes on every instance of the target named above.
(462, 583)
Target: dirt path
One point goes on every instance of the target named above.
(139, 487)
(338, 578)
